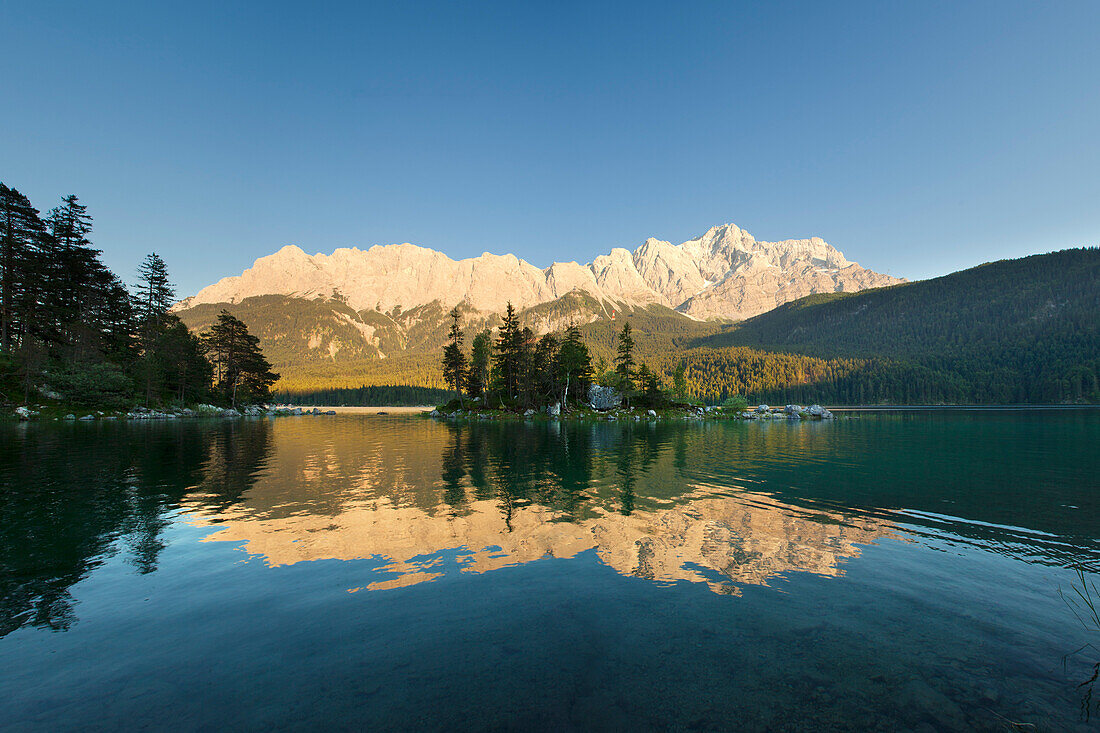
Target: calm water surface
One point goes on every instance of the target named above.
(899, 571)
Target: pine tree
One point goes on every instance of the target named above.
(574, 363)
(650, 385)
(186, 371)
(624, 356)
(153, 297)
(477, 376)
(525, 365)
(240, 369)
(545, 369)
(454, 360)
(155, 293)
(506, 356)
(624, 363)
(78, 288)
(21, 239)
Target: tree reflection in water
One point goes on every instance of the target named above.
(504, 494)
(72, 496)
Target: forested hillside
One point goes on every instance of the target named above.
(1025, 330)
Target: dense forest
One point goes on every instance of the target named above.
(71, 332)
(1014, 331)
(367, 395)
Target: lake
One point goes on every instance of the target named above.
(902, 570)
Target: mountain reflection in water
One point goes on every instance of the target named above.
(501, 496)
(722, 504)
(199, 572)
(720, 541)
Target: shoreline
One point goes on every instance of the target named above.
(54, 413)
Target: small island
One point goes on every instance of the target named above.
(516, 376)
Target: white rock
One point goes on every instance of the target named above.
(603, 398)
(725, 272)
(653, 413)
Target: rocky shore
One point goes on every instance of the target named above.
(47, 412)
(679, 412)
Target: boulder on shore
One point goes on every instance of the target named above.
(49, 393)
(554, 410)
(603, 398)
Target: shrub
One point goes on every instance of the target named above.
(735, 403)
(93, 385)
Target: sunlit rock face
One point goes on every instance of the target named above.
(498, 498)
(722, 542)
(725, 273)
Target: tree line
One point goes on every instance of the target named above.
(516, 369)
(71, 329)
(373, 395)
(1015, 331)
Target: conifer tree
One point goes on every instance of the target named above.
(545, 369)
(624, 355)
(477, 376)
(186, 373)
(240, 369)
(153, 297)
(21, 239)
(624, 363)
(525, 365)
(454, 359)
(506, 356)
(574, 363)
(154, 293)
(650, 385)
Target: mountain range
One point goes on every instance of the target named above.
(724, 274)
(792, 320)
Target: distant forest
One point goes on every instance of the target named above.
(1014, 331)
(367, 396)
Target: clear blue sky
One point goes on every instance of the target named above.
(918, 137)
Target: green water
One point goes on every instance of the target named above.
(896, 572)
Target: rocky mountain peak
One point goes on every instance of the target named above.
(724, 273)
